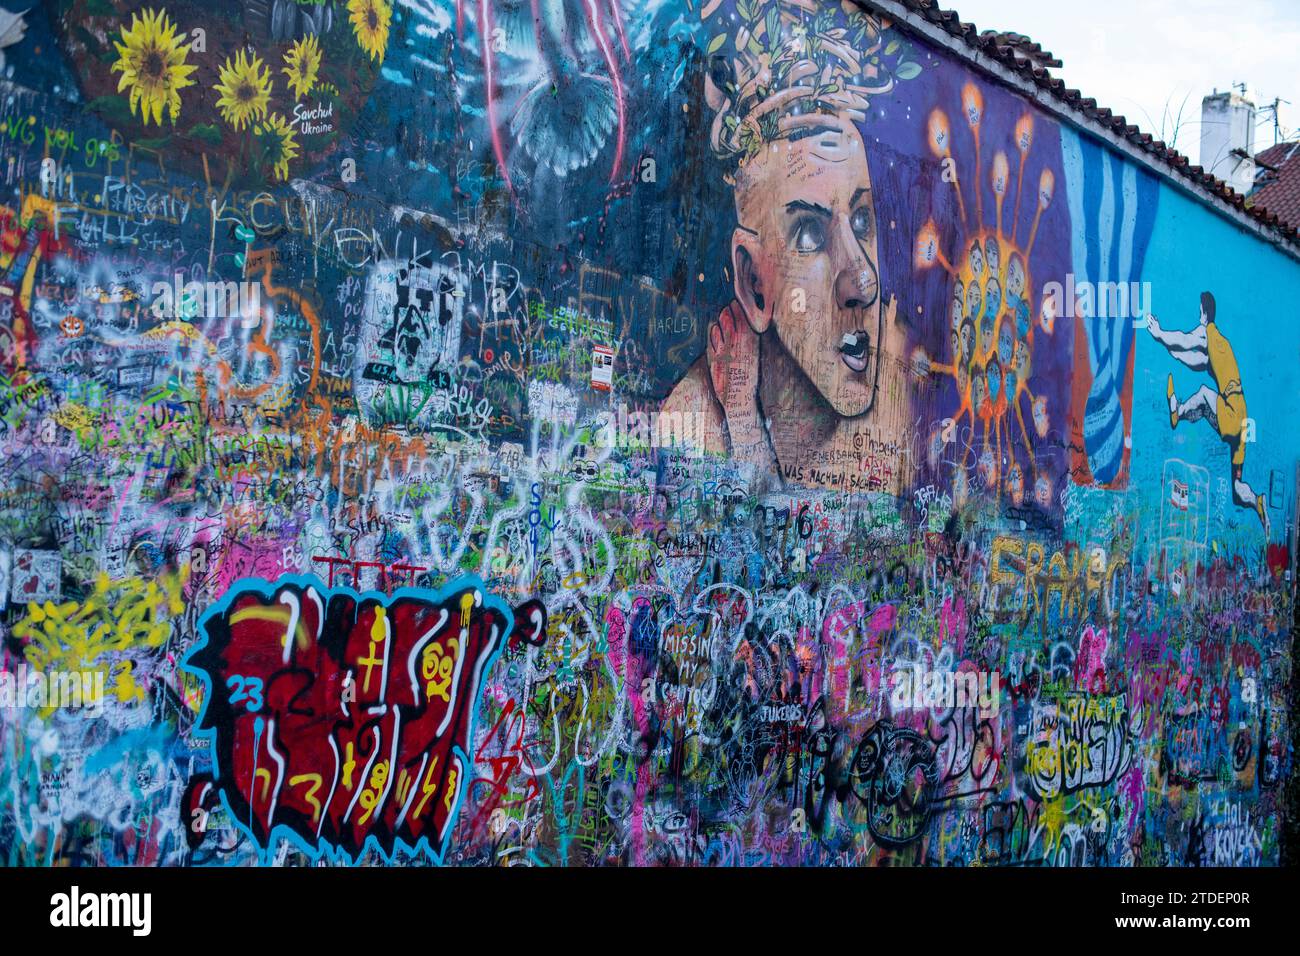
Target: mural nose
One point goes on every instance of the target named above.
(857, 285)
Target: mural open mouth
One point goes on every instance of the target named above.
(854, 348)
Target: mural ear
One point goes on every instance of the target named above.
(749, 285)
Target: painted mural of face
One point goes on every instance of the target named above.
(410, 331)
(992, 299)
(1006, 342)
(986, 333)
(995, 380)
(992, 255)
(973, 299)
(1022, 360)
(1016, 277)
(1016, 484)
(1041, 421)
(807, 236)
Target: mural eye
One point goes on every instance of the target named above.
(861, 223)
(809, 235)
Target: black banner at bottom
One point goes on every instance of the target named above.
(338, 905)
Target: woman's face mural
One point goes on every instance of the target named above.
(805, 259)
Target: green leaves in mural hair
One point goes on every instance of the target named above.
(892, 47)
(779, 70)
(773, 25)
(832, 87)
(716, 43)
(747, 11)
(908, 70)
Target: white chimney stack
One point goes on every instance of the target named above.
(1228, 136)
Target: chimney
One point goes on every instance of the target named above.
(1228, 136)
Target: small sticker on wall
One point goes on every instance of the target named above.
(602, 367)
(1179, 494)
(35, 577)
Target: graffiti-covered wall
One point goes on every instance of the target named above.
(620, 432)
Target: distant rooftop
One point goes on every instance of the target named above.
(1277, 185)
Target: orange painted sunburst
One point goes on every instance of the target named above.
(991, 327)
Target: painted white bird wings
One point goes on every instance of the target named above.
(12, 30)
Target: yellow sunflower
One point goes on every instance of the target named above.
(370, 20)
(303, 65)
(276, 135)
(151, 59)
(245, 89)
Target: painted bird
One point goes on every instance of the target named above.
(576, 105)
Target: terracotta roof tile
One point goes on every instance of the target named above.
(1277, 189)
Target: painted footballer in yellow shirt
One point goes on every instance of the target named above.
(1206, 349)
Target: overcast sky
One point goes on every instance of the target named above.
(1136, 56)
